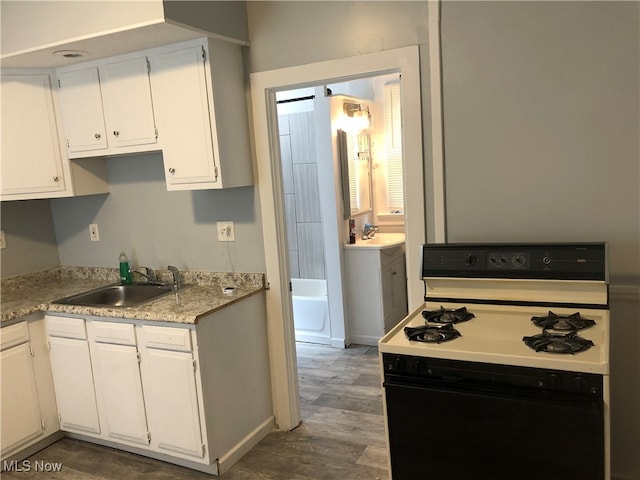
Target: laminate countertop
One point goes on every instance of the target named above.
(200, 295)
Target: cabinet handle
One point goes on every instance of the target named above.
(116, 133)
(172, 170)
(97, 135)
(56, 179)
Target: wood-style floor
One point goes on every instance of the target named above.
(341, 435)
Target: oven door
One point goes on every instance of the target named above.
(442, 430)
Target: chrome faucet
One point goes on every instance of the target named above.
(369, 231)
(177, 279)
(148, 273)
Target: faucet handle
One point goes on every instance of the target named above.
(177, 279)
(150, 273)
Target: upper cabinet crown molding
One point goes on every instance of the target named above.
(103, 29)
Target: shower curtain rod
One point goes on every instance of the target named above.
(299, 99)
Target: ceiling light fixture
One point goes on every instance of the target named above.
(70, 53)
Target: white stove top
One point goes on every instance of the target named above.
(495, 336)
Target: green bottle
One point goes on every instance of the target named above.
(125, 270)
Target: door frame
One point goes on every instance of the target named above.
(281, 333)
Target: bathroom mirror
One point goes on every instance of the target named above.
(355, 164)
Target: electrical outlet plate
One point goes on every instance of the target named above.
(226, 231)
(93, 232)
(3, 240)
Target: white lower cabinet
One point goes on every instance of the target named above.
(20, 409)
(170, 386)
(195, 395)
(72, 375)
(28, 408)
(116, 367)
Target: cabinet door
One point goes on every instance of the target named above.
(172, 402)
(31, 159)
(82, 112)
(73, 383)
(127, 102)
(21, 419)
(179, 85)
(119, 388)
(394, 292)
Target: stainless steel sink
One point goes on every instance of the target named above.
(117, 295)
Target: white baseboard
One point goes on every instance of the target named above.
(243, 446)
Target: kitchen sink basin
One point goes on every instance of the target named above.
(117, 295)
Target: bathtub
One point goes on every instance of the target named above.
(311, 310)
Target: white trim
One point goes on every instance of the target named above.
(437, 146)
(279, 314)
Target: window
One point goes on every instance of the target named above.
(393, 148)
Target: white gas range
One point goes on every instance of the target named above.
(508, 360)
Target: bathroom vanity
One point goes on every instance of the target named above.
(376, 283)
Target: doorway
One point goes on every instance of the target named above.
(364, 183)
(264, 86)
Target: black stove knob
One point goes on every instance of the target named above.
(470, 260)
(396, 365)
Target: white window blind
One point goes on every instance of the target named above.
(393, 134)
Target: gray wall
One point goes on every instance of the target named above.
(31, 241)
(540, 124)
(156, 227)
(541, 113)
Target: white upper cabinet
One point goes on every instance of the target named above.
(107, 107)
(201, 112)
(31, 157)
(82, 115)
(180, 94)
(128, 109)
(33, 163)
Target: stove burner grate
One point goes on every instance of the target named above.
(432, 333)
(565, 323)
(558, 343)
(443, 315)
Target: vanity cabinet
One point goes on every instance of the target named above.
(376, 291)
(28, 407)
(200, 103)
(107, 107)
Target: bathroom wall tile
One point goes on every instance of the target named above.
(305, 180)
(290, 221)
(287, 165)
(283, 124)
(303, 137)
(294, 264)
(311, 250)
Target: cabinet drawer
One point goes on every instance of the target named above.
(110, 332)
(66, 327)
(14, 335)
(167, 338)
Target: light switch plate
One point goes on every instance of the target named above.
(226, 231)
(3, 240)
